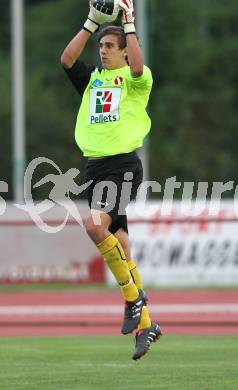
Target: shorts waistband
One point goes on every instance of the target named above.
(111, 158)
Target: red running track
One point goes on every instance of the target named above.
(201, 312)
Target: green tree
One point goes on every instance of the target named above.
(193, 55)
(195, 94)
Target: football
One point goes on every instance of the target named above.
(106, 11)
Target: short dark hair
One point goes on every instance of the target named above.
(114, 30)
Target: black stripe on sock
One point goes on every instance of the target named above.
(133, 277)
(133, 269)
(123, 258)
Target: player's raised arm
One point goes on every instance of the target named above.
(74, 49)
(135, 57)
(76, 46)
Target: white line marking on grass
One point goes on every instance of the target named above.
(116, 309)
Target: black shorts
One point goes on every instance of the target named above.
(115, 181)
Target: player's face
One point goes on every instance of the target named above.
(112, 56)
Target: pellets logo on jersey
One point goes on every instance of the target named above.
(103, 102)
(118, 80)
(104, 105)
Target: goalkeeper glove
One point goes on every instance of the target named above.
(92, 24)
(128, 18)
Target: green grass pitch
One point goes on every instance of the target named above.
(103, 363)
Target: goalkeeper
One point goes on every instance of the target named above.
(111, 124)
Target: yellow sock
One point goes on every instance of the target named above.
(145, 321)
(135, 274)
(114, 256)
